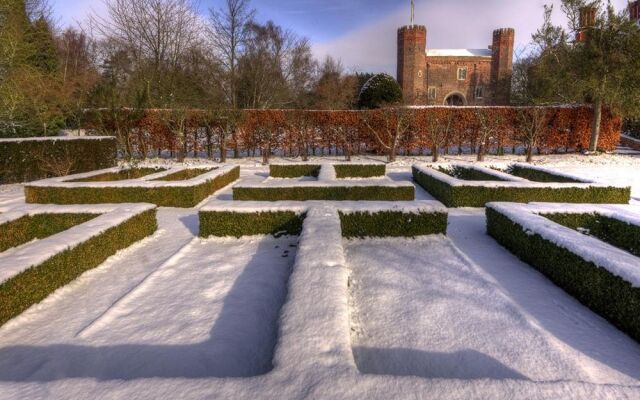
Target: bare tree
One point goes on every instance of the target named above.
(389, 127)
(531, 124)
(228, 32)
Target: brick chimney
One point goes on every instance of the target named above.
(502, 65)
(412, 48)
(587, 20)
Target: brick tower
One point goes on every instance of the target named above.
(412, 47)
(502, 65)
(634, 11)
(587, 20)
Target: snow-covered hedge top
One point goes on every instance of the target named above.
(16, 260)
(306, 183)
(56, 138)
(345, 207)
(514, 182)
(602, 254)
(552, 172)
(143, 182)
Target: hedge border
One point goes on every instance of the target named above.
(330, 193)
(479, 196)
(123, 175)
(617, 233)
(162, 196)
(608, 295)
(35, 284)
(39, 226)
(537, 175)
(20, 160)
(185, 174)
(360, 170)
(293, 170)
(354, 224)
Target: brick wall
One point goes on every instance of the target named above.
(442, 75)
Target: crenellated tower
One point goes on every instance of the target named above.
(502, 65)
(587, 20)
(412, 47)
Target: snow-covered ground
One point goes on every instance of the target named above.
(319, 317)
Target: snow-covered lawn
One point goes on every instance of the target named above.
(319, 317)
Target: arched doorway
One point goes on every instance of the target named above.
(455, 99)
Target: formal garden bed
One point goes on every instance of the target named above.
(325, 182)
(466, 185)
(175, 187)
(50, 246)
(588, 250)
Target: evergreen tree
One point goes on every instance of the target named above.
(43, 53)
(380, 90)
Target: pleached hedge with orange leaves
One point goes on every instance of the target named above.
(300, 132)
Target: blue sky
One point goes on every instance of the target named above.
(362, 33)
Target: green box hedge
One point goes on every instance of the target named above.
(184, 197)
(537, 175)
(25, 160)
(360, 170)
(606, 294)
(39, 226)
(229, 223)
(293, 170)
(615, 232)
(335, 193)
(32, 286)
(478, 196)
(392, 224)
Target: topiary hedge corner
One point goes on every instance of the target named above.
(104, 238)
(29, 159)
(601, 277)
(454, 192)
(183, 194)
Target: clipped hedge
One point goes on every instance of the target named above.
(474, 196)
(613, 231)
(293, 170)
(185, 174)
(123, 175)
(184, 197)
(392, 224)
(25, 160)
(30, 227)
(229, 223)
(537, 175)
(610, 296)
(360, 170)
(469, 174)
(32, 286)
(335, 193)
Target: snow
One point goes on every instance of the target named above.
(422, 308)
(177, 316)
(143, 182)
(327, 173)
(552, 172)
(18, 259)
(459, 53)
(602, 254)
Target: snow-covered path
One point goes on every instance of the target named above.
(421, 308)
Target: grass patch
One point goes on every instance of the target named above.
(30, 227)
(185, 174)
(332, 193)
(293, 170)
(125, 174)
(229, 223)
(36, 283)
(183, 197)
(360, 171)
(615, 232)
(478, 196)
(392, 224)
(606, 294)
(469, 174)
(536, 175)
